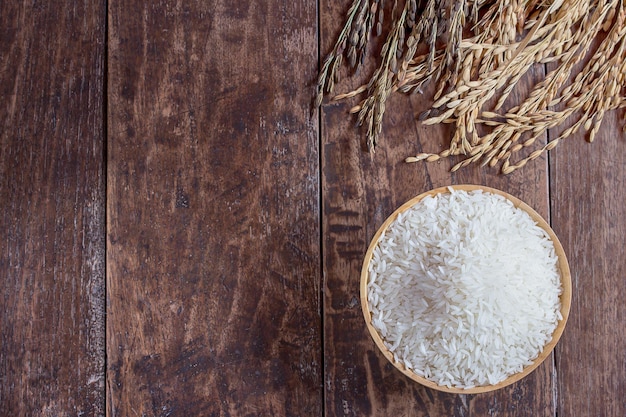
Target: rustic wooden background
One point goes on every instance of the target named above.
(181, 235)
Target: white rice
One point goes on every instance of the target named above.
(464, 289)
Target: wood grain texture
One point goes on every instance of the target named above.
(220, 299)
(213, 194)
(359, 191)
(51, 208)
(588, 188)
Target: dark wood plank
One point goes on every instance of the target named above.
(213, 194)
(588, 190)
(359, 191)
(51, 208)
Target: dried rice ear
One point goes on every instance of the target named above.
(477, 51)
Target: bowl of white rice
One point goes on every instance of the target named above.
(465, 289)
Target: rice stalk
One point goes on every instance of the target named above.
(476, 52)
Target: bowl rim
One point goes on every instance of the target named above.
(565, 297)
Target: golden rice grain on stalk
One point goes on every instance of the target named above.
(477, 51)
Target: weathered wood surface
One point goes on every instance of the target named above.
(52, 208)
(359, 191)
(213, 264)
(237, 221)
(588, 189)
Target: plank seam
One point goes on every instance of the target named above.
(105, 168)
(321, 219)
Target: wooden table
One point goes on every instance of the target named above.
(181, 235)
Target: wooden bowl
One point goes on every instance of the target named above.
(565, 297)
